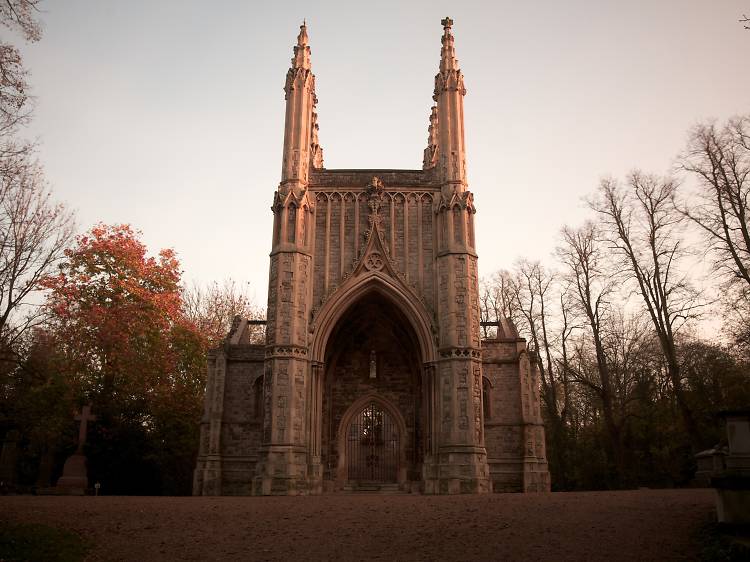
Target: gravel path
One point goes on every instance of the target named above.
(631, 525)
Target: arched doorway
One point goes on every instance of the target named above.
(373, 445)
(373, 422)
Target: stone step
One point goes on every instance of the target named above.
(372, 487)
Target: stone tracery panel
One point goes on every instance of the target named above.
(341, 224)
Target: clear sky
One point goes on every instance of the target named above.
(168, 115)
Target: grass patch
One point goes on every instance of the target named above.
(31, 542)
(724, 543)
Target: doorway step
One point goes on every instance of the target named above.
(372, 488)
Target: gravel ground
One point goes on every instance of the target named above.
(630, 525)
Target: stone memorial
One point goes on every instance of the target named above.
(732, 481)
(74, 479)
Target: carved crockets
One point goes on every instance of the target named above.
(431, 152)
(301, 146)
(448, 95)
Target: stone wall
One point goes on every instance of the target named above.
(233, 413)
(514, 431)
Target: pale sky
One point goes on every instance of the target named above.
(168, 115)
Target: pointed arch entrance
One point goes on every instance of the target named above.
(373, 413)
(354, 290)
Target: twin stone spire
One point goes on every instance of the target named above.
(445, 152)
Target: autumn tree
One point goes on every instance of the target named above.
(118, 319)
(15, 103)
(22, 15)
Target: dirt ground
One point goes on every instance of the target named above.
(631, 525)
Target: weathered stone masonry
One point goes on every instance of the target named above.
(373, 372)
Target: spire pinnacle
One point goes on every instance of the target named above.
(301, 57)
(447, 121)
(448, 60)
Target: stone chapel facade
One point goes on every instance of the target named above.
(374, 374)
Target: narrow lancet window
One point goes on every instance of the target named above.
(291, 224)
(457, 226)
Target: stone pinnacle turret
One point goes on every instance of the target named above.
(301, 57)
(283, 456)
(448, 60)
(301, 147)
(449, 93)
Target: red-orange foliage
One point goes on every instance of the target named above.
(119, 320)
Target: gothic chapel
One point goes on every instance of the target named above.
(374, 375)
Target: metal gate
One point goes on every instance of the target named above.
(372, 446)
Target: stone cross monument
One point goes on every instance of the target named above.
(74, 479)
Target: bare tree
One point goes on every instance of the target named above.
(532, 292)
(720, 158)
(567, 328)
(34, 232)
(592, 285)
(213, 308)
(544, 308)
(645, 231)
(495, 295)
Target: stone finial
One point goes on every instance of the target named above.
(448, 60)
(301, 57)
(302, 37)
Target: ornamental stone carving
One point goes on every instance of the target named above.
(374, 262)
